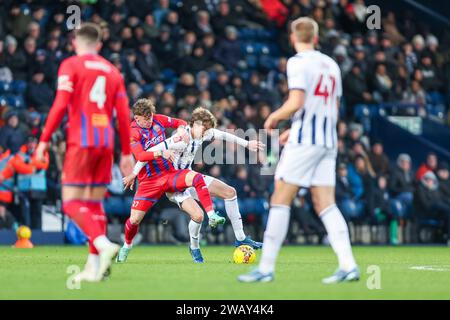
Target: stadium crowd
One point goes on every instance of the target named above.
(230, 57)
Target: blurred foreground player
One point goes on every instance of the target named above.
(89, 89)
(309, 157)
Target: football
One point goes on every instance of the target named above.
(244, 255)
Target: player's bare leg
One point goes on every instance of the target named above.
(223, 191)
(195, 179)
(276, 231)
(325, 206)
(191, 207)
(131, 229)
(84, 206)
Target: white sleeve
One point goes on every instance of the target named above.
(138, 167)
(222, 135)
(296, 74)
(165, 145)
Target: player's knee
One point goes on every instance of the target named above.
(321, 203)
(230, 192)
(197, 216)
(189, 178)
(136, 218)
(198, 180)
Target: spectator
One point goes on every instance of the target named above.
(33, 185)
(13, 134)
(401, 186)
(223, 18)
(431, 79)
(228, 51)
(444, 181)
(165, 47)
(186, 46)
(150, 29)
(220, 88)
(197, 61)
(132, 72)
(161, 12)
(256, 91)
(185, 86)
(347, 201)
(203, 25)
(355, 90)
(18, 21)
(379, 159)
(380, 207)
(15, 59)
(429, 165)
(429, 203)
(383, 84)
(147, 63)
(39, 94)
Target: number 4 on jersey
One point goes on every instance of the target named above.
(323, 92)
(97, 93)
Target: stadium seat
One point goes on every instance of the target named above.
(16, 101)
(252, 61)
(5, 87)
(18, 86)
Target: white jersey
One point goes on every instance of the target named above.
(319, 77)
(185, 153)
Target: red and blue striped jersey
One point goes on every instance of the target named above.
(145, 138)
(89, 89)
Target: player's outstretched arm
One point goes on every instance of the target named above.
(294, 102)
(252, 145)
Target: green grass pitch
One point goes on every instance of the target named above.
(167, 272)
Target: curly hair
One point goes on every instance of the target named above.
(204, 116)
(144, 107)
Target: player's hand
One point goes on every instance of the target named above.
(270, 124)
(168, 155)
(284, 137)
(126, 164)
(128, 181)
(40, 151)
(255, 145)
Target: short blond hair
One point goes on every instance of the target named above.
(204, 116)
(305, 29)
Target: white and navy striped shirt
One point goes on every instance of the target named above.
(320, 77)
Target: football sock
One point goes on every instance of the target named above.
(232, 209)
(93, 262)
(276, 230)
(194, 234)
(338, 236)
(130, 232)
(89, 216)
(203, 193)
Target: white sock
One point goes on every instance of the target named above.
(276, 230)
(210, 213)
(101, 243)
(194, 234)
(338, 236)
(232, 209)
(92, 263)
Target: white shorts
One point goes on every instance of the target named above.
(179, 197)
(307, 165)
